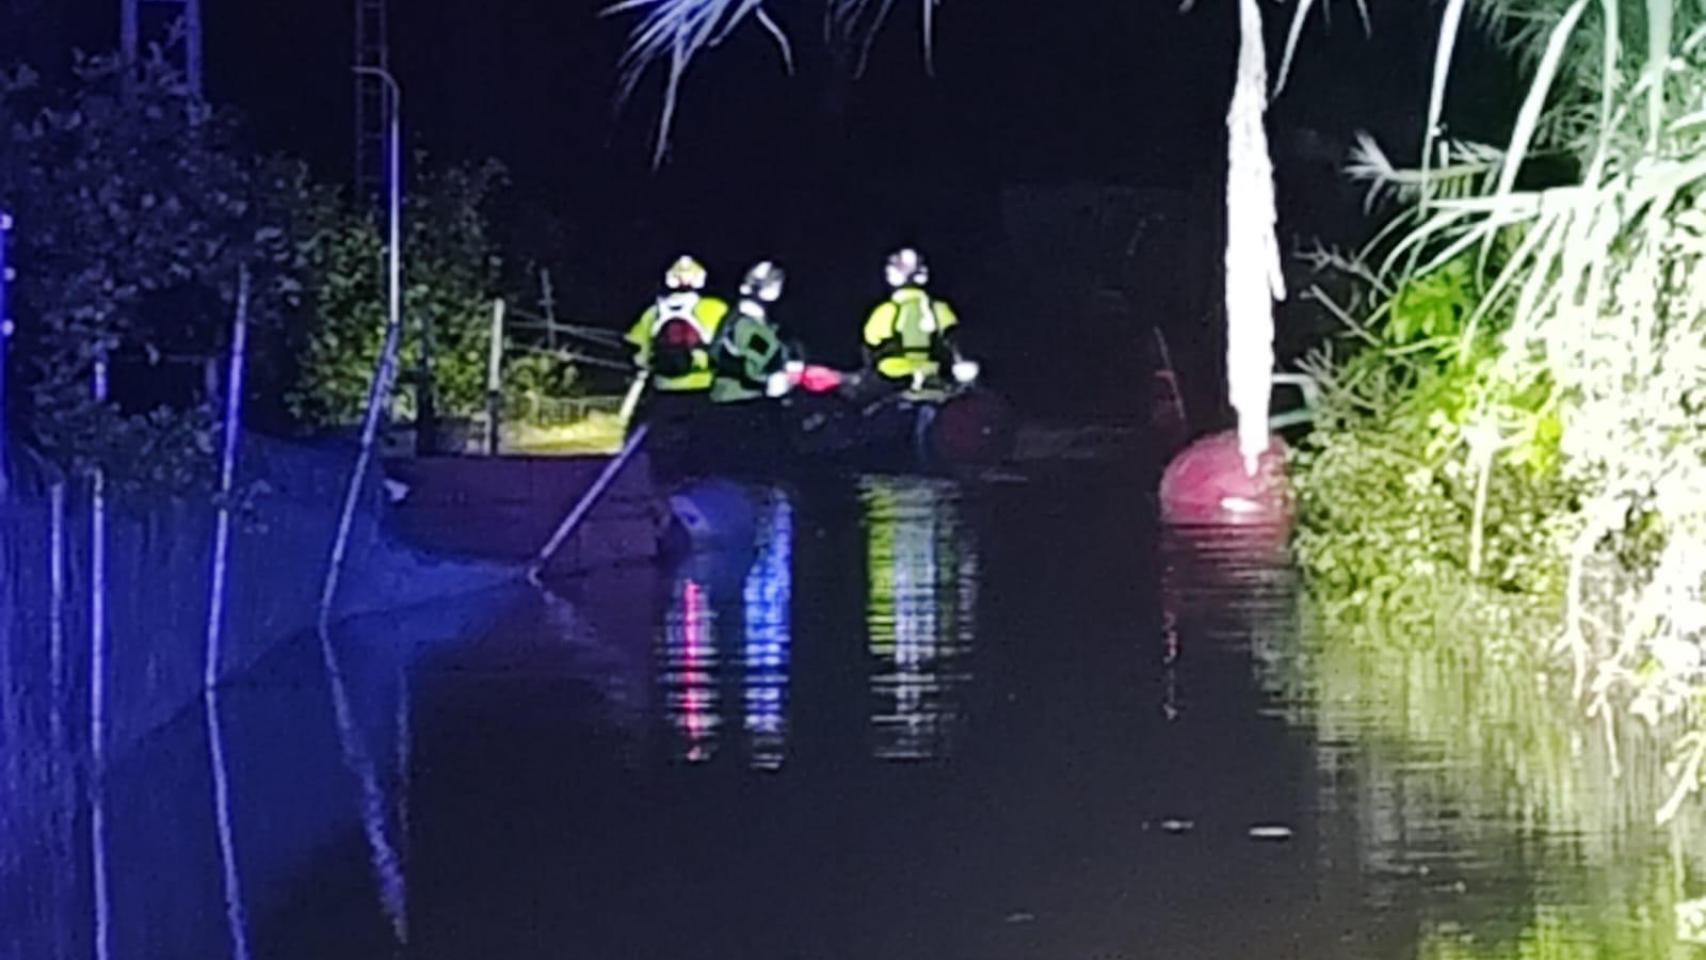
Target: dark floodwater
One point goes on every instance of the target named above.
(886, 719)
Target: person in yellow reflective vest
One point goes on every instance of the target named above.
(672, 339)
(909, 337)
(749, 357)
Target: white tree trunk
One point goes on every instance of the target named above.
(1253, 277)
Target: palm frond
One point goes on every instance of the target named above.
(1444, 51)
(1659, 24)
(673, 33)
(1529, 116)
(856, 24)
(1299, 16)
(1463, 169)
(779, 35)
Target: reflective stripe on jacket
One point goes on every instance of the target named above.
(906, 334)
(704, 313)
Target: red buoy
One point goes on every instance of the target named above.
(1207, 484)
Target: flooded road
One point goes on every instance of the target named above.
(883, 718)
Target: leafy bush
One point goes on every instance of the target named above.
(530, 377)
(450, 280)
(1393, 514)
(1584, 354)
(135, 206)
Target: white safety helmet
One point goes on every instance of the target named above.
(906, 268)
(685, 273)
(764, 282)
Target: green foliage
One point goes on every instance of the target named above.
(529, 377)
(1400, 502)
(134, 206)
(450, 280)
(1388, 510)
(1582, 360)
(1434, 304)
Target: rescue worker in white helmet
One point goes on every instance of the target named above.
(909, 337)
(749, 358)
(672, 339)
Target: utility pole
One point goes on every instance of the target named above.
(372, 58)
(391, 118)
(394, 192)
(172, 25)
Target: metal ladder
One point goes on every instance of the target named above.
(172, 25)
(372, 49)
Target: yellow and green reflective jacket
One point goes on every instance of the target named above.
(703, 313)
(904, 333)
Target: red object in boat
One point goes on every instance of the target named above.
(1207, 484)
(816, 379)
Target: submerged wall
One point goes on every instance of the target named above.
(159, 562)
(156, 596)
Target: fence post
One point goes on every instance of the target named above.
(236, 919)
(98, 685)
(426, 392)
(548, 303)
(231, 438)
(494, 378)
(378, 395)
(5, 336)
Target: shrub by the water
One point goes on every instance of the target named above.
(1539, 444)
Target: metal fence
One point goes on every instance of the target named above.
(541, 411)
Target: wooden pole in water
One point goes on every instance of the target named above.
(56, 610)
(494, 378)
(235, 919)
(233, 427)
(631, 402)
(5, 336)
(98, 685)
(593, 493)
(377, 393)
(379, 389)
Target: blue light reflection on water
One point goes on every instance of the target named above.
(769, 597)
(1425, 826)
(725, 638)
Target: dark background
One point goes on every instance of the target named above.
(828, 173)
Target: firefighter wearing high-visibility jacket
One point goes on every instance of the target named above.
(749, 356)
(909, 338)
(673, 338)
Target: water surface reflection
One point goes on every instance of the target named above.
(921, 616)
(699, 760)
(1477, 809)
(725, 638)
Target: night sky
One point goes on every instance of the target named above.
(823, 173)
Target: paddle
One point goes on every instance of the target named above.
(585, 504)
